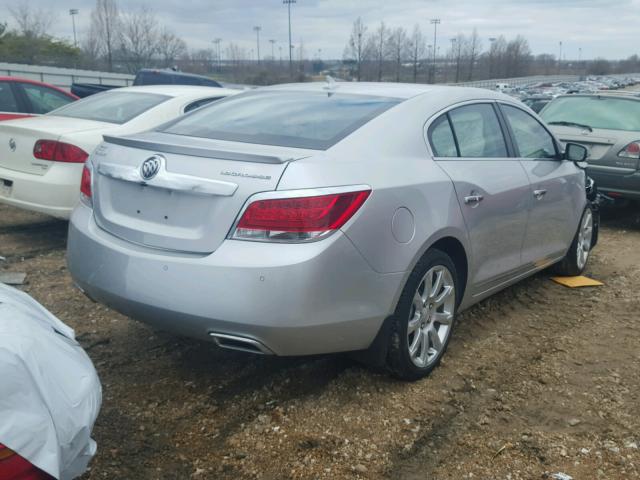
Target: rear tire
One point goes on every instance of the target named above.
(424, 318)
(575, 262)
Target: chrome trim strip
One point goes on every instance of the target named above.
(196, 151)
(609, 169)
(169, 181)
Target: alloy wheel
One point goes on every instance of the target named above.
(584, 239)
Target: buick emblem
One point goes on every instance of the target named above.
(12, 144)
(150, 167)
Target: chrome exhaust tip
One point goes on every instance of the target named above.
(242, 344)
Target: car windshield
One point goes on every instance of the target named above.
(313, 120)
(112, 107)
(597, 112)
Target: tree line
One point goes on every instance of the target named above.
(387, 53)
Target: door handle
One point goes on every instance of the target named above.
(539, 193)
(473, 199)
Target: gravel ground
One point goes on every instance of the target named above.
(539, 379)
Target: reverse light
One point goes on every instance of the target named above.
(85, 186)
(631, 151)
(298, 218)
(59, 152)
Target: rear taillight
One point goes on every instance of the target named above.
(631, 151)
(14, 467)
(298, 218)
(85, 185)
(59, 152)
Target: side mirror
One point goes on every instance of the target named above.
(576, 153)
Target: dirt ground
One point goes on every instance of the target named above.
(539, 379)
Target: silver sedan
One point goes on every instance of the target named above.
(316, 218)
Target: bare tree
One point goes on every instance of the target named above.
(139, 38)
(497, 54)
(170, 47)
(417, 49)
(398, 49)
(32, 23)
(379, 47)
(517, 56)
(474, 49)
(355, 49)
(105, 27)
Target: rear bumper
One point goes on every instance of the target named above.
(293, 299)
(54, 193)
(627, 186)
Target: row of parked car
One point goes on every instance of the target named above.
(309, 218)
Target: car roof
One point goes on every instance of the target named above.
(35, 82)
(402, 91)
(179, 90)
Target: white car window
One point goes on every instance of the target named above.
(531, 138)
(478, 131)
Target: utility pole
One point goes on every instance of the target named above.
(288, 4)
(73, 12)
(257, 30)
(273, 54)
(560, 58)
(435, 22)
(491, 52)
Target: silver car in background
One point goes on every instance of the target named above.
(608, 125)
(315, 218)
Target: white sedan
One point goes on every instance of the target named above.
(41, 158)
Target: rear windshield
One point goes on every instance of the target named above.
(112, 107)
(597, 112)
(312, 120)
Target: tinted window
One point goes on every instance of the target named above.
(532, 140)
(112, 106)
(187, 80)
(478, 132)
(597, 112)
(7, 99)
(153, 78)
(292, 119)
(442, 140)
(43, 99)
(199, 103)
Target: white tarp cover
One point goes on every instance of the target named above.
(50, 394)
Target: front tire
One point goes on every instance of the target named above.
(575, 262)
(424, 318)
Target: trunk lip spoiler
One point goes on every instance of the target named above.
(196, 151)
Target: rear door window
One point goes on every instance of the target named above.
(532, 139)
(8, 101)
(44, 99)
(313, 120)
(478, 131)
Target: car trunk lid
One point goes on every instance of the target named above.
(191, 203)
(18, 137)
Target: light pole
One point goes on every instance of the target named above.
(73, 12)
(435, 22)
(560, 58)
(273, 54)
(216, 42)
(288, 4)
(257, 30)
(492, 41)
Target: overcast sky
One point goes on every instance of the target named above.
(607, 28)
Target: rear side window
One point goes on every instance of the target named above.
(43, 99)
(443, 142)
(112, 106)
(8, 101)
(478, 131)
(313, 120)
(532, 139)
(199, 103)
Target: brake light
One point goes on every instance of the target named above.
(14, 467)
(631, 151)
(59, 152)
(86, 190)
(298, 219)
